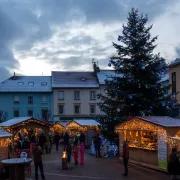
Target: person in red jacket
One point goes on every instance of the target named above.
(125, 157)
(76, 155)
(82, 153)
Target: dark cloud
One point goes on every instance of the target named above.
(26, 23)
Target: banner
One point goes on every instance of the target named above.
(162, 151)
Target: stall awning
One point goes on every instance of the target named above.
(87, 122)
(4, 133)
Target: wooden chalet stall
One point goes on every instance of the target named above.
(149, 139)
(60, 127)
(4, 146)
(24, 124)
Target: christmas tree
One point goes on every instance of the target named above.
(136, 89)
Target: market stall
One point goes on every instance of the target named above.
(22, 126)
(59, 127)
(148, 139)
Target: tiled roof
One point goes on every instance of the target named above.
(104, 74)
(87, 122)
(62, 79)
(174, 63)
(4, 133)
(165, 121)
(14, 121)
(26, 84)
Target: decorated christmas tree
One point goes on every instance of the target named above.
(137, 88)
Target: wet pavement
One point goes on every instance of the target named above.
(100, 169)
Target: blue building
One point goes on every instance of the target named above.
(22, 96)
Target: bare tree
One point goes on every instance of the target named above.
(3, 116)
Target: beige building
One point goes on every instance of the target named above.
(74, 95)
(174, 76)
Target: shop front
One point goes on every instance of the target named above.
(147, 138)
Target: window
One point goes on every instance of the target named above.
(61, 109)
(44, 84)
(77, 109)
(92, 109)
(16, 99)
(30, 112)
(76, 95)
(44, 114)
(20, 83)
(174, 83)
(44, 99)
(30, 99)
(61, 95)
(16, 113)
(92, 95)
(31, 83)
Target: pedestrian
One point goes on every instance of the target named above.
(69, 153)
(97, 145)
(76, 155)
(37, 154)
(82, 138)
(174, 165)
(82, 153)
(42, 141)
(26, 143)
(125, 157)
(66, 139)
(56, 141)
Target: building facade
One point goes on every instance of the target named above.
(74, 95)
(22, 96)
(174, 75)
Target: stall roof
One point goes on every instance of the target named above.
(4, 133)
(165, 121)
(86, 122)
(64, 124)
(18, 120)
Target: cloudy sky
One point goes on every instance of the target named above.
(38, 36)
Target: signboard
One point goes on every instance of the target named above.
(162, 151)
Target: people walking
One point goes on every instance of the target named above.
(37, 154)
(174, 165)
(97, 143)
(56, 141)
(76, 155)
(82, 153)
(125, 157)
(69, 153)
(42, 141)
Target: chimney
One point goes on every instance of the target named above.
(14, 77)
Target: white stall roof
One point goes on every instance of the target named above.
(4, 133)
(14, 121)
(87, 122)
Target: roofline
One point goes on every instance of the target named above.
(174, 64)
(74, 87)
(25, 91)
(72, 71)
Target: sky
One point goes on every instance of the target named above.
(40, 36)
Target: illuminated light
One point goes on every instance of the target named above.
(64, 155)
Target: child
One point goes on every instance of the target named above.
(76, 155)
(82, 153)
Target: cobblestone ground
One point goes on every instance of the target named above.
(100, 169)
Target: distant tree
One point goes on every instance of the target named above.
(3, 116)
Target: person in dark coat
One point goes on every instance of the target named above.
(82, 138)
(97, 144)
(66, 139)
(42, 141)
(56, 141)
(125, 156)
(174, 165)
(37, 154)
(26, 143)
